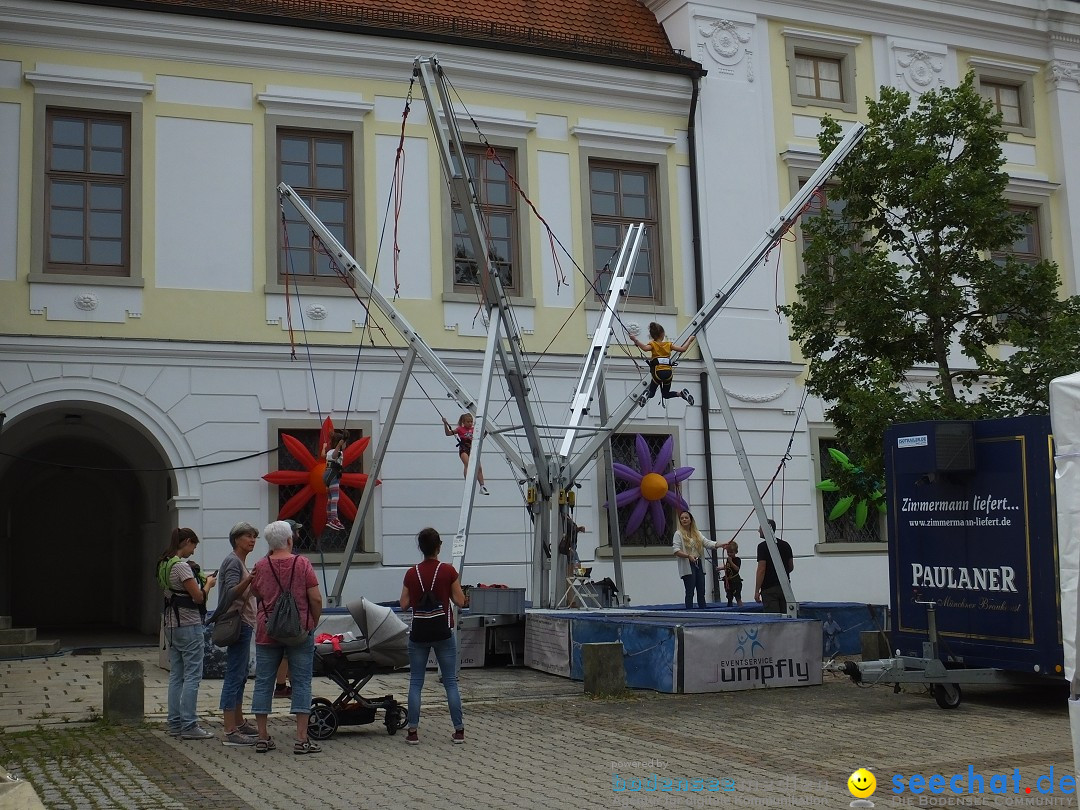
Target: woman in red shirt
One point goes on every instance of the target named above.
(428, 589)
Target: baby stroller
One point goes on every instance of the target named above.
(351, 664)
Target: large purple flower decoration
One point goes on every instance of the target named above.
(653, 486)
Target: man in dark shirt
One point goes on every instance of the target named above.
(767, 589)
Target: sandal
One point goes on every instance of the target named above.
(262, 746)
(306, 747)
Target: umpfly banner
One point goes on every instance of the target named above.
(780, 652)
(976, 538)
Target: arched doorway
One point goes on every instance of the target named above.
(83, 515)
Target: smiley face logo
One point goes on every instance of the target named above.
(862, 784)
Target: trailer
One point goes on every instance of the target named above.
(973, 558)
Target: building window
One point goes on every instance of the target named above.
(843, 529)
(1010, 89)
(330, 541)
(818, 77)
(827, 201)
(624, 451)
(490, 171)
(318, 166)
(821, 70)
(1006, 100)
(87, 193)
(1027, 248)
(621, 194)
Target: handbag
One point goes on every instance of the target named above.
(227, 628)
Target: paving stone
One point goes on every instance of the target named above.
(533, 741)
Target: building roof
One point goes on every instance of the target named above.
(615, 31)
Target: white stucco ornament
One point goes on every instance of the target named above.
(725, 42)
(919, 69)
(317, 312)
(86, 301)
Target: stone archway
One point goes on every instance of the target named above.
(83, 514)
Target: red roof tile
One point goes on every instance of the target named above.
(615, 30)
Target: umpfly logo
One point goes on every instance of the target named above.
(748, 638)
(750, 663)
(957, 787)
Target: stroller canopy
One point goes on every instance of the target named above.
(387, 635)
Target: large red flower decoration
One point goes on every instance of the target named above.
(312, 478)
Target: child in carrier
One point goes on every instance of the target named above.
(660, 350)
(332, 477)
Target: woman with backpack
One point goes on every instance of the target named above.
(185, 591)
(288, 608)
(428, 589)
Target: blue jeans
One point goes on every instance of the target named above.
(185, 672)
(695, 580)
(446, 655)
(237, 663)
(267, 659)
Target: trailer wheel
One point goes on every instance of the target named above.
(947, 695)
(323, 720)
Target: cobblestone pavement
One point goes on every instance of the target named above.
(535, 741)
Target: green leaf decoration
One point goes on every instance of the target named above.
(841, 507)
(840, 458)
(828, 485)
(881, 507)
(860, 513)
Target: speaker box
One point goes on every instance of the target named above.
(954, 445)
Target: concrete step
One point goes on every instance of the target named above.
(30, 649)
(18, 635)
(5, 622)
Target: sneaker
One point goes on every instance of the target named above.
(237, 739)
(282, 690)
(484, 490)
(196, 733)
(262, 746)
(686, 395)
(174, 731)
(336, 525)
(411, 738)
(458, 737)
(306, 747)
(249, 729)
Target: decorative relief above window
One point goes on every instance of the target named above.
(726, 42)
(918, 70)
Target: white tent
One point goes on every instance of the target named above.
(1065, 418)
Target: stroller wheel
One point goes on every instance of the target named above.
(395, 719)
(322, 721)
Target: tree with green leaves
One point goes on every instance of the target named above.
(911, 306)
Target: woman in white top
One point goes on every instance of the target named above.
(689, 546)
